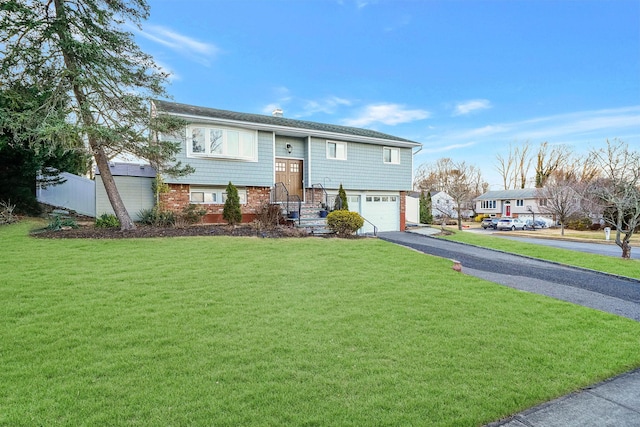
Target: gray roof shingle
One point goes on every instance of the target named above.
(520, 193)
(191, 110)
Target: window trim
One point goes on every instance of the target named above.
(217, 195)
(208, 129)
(337, 143)
(488, 204)
(391, 150)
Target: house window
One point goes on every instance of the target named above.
(488, 204)
(204, 141)
(542, 202)
(336, 150)
(520, 202)
(213, 195)
(391, 155)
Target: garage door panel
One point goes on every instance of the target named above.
(383, 211)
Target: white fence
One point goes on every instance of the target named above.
(77, 194)
(412, 210)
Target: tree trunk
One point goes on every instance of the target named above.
(626, 249)
(87, 118)
(126, 223)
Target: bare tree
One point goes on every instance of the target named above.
(506, 168)
(523, 161)
(461, 181)
(562, 198)
(514, 168)
(548, 161)
(617, 190)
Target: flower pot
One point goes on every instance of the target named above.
(323, 214)
(293, 214)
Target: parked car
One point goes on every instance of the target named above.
(489, 223)
(538, 223)
(510, 224)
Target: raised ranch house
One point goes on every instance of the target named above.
(293, 162)
(520, 203)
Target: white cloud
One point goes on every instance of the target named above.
(200, 51)
(173, 76)
(470, 106)
(579, 128)
(447, 148)
(388, 114)
(327, 105)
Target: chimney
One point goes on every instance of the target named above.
(277, 112)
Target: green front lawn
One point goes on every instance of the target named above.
(608, 264)
(245, 331)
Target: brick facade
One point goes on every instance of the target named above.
(177, 198)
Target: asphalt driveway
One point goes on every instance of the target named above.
(604, 292)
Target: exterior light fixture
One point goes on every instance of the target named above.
(289, 148)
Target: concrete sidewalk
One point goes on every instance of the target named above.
(614, 402)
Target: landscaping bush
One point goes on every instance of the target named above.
(595, 226)
(157, 217)
(107, 221)
(579, 224)
(231, 211)
(192, 214)
(58, 222)
(341, 202)
(344, 223)
(269, 215)
(6, 213)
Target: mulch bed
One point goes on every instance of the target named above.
(142, 231)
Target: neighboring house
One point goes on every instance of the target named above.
(264, 155)
(443, 205)
(134, 182)
(519, 203)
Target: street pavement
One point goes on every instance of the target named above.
(615, 402)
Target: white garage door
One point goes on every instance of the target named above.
(383, 211)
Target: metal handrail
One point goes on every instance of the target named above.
(313, 194)
(287, 199)
(375, 228)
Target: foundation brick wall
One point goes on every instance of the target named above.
(177, 198)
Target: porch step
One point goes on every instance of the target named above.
(311, 220)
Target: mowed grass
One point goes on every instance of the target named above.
(607, 264)
(246, 331)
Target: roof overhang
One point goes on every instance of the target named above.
(295, 132)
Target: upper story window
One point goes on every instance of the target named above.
(209, 141)
(391, 155)
(488, 204)
(542, 202)
(336, 150)
(520, 202)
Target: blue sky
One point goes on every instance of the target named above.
(464, 77)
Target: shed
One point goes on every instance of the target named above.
(135, 184)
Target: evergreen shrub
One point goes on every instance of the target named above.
(107, 221)
(344, 223)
